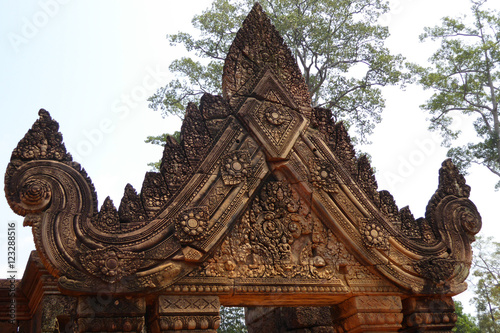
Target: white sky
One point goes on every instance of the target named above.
(92, 64)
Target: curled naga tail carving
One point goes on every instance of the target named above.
(43, 184)
(59, 201)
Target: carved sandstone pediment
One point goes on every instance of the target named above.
(262, 202)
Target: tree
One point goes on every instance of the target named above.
(465, 78)
(337, 44)
(465, 322)
(232, 320)
(486, 282)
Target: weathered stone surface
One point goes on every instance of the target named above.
(262, 202)
(430, 314)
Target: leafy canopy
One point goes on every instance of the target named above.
(465, 79)
(486, 283)
(337, 44)
(232, 320)
(465, 322)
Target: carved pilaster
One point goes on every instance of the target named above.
(105, 313)
(368, 314)
(185, 314)
(429, 314)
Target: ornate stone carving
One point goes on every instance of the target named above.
(187, 313)
(374, 235)
(111, 264)
(366, 178)
(235, 167)
(215, 110)
(262, 202)
(430, 314)
(323, 175)
(192, 224)
(368, 314)
(388, 206)
(195, 138)
(131, 209)
(42, 142)
(278, 237)
(175, 166)
(259, 46)
(272, 118)
(154, 193)
(108, 219)
(344, 149)
(436, 269)
(35, 194)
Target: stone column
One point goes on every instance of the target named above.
(185, 314)
(54, 313)
(368, 314)
(429, 314)
(105, 313)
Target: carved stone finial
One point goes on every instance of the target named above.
(42, 142)
(451, 181)
(108, 219)
(175, 166)
(366, 178)
(258, 46)
(195, 137)
(131, 209)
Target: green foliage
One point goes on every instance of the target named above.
(337, 44)
(232, 320)
(465, 78)
(486, 282)
(465, 322)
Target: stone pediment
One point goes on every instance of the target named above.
(262, 202)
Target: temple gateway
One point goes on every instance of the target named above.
(262, 204)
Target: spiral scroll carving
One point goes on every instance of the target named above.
(35, 194)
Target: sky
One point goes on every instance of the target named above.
(93, 64)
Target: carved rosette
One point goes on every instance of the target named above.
(35, 194)
(111, 264)
(192, 224)
(322, 175)
(374, 235)
(235, 167)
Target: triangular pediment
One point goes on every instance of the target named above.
(262, 197)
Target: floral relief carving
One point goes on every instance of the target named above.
(235, 167)
(323, 175)
(374, 235)
(192, 224)
(111, 264)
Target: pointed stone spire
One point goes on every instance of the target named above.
(42, 142)
(108, 219)
(451, 181)
(257, 48)
(195, 137)
(131, 209)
